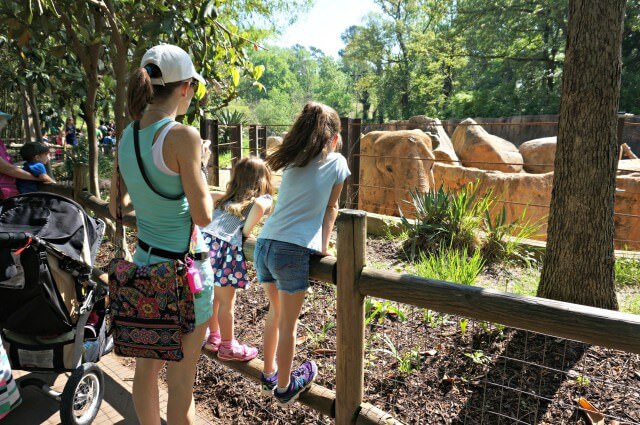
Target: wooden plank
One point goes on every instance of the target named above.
(352, 237)
(591, 325)
(317, 397)
(371, 415)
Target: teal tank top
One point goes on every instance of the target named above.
(162, 223)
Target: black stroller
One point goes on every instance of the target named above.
(52, 313)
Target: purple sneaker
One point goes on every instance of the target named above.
(268, 384)
(301, 379)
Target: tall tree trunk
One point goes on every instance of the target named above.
(35, 114)
(92, 142)
(579, 262)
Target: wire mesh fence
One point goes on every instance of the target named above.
(426, 368)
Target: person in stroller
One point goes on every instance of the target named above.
(35, 155)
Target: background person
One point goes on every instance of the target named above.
(36, 156)
(8, 171)
(70, 133)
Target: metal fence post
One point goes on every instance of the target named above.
(352, 238)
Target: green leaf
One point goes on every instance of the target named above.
(258, 71)
(235, 75)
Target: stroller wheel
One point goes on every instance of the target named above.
(82, 395)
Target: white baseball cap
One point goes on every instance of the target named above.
(174, 63)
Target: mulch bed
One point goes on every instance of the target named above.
(438, 373)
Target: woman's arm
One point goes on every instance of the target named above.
(260, 207)
(183, 151)
(113, 193)
(15, 172)
(330, 215)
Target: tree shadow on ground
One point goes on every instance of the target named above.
(521, 382)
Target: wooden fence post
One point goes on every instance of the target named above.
(354, 164)
(345, 150)
(262, 141)
(214, 174)
(352, 237)
(253, 139)
(621, 119)
(80, 179)
(236, 140)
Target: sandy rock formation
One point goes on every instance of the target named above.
(273, 142)
(477, 148)
(391, 164)
(539, 154)
(442, 146)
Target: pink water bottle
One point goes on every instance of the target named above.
(193, 277)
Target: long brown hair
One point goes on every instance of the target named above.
(309, 137)
(141, 92)
(250, 178)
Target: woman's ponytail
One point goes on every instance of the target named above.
(140, 92)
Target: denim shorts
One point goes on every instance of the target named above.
(284, 263)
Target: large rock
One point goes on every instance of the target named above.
(393, 163)
(273, 142)
(442, 147)
(538, 154)
(477, 148)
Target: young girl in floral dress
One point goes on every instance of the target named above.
(237, 211)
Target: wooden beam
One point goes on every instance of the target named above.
(597, 326)
(352, 239)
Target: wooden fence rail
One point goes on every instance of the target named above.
(355, 281)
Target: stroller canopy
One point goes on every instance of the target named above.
(57, 220)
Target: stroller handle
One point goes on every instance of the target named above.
(14, 239)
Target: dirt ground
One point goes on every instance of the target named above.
(423, 368)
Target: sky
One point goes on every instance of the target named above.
(322, 26)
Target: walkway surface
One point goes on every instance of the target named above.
(116, 408)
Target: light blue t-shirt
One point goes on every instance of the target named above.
(302, 201)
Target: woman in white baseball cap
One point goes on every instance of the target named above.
(171, 153)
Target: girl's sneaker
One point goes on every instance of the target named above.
(301, 379)
(268, 384)
(212, 343)
(237, 352)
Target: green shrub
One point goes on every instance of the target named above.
(503, 241)
(445, 219)
(627, 272)
(462, 221)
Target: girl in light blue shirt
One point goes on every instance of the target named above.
(312, 178)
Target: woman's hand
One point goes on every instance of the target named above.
(206, 151)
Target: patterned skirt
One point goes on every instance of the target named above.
(228, 262)
(9, 394)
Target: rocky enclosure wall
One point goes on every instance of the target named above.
(391, 165)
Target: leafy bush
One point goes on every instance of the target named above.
(503, 240)
(627, 272)
(80, 155)
(462, 221)
(445, 219)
